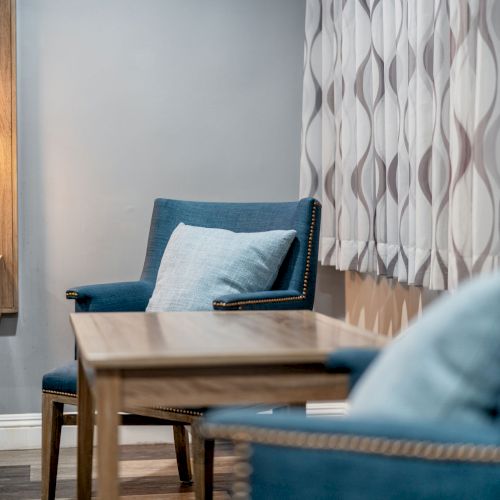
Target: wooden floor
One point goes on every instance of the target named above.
(147, 472)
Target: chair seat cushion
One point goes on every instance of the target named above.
(201, 264)
(62, 379)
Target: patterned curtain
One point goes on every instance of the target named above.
(401, 136)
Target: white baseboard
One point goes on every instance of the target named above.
(24, 431)
(327, 409)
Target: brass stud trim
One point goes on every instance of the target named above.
(172, 410)
(424, 450)
(257, 301)
(179, 410)
(60, 393)
(305, 284)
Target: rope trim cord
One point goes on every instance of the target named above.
(425, 450)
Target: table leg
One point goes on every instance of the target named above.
(85, 421)
(203, 461)
(108, 402)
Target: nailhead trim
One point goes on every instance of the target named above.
(424, 450)
(258, 301)
(179, 410)
(173, 410)
(306, 273)
(60, 393)
(71, 295)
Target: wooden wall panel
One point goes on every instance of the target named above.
(8, 167)
(383, 305)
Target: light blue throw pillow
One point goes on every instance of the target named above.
(201, 264)
(446, 366)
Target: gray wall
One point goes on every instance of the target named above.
(122, 101)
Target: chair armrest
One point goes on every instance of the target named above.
(295, 457)
(269, 300)
(351, 361)
(108, 297)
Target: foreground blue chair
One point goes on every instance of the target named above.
(293, 289)
(291, 457)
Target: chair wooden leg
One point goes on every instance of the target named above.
(182, 454)
(52, 419)
(203, 460)
(85, 421)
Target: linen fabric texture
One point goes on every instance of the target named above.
(200, 264)
(446, 366)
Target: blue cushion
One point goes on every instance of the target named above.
(62, 379)
(445, 367)
(200, 264)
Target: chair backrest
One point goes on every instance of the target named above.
(298, 271)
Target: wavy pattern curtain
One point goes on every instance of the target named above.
(401, 136)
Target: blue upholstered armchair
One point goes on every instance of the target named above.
(293, 289)
(291, 457)
(294, 285)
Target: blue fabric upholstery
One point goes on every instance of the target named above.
(292, 457)
(62, 379)
(296, 279)
(354, 362)
(108, 297)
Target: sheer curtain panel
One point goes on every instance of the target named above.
(401, 136)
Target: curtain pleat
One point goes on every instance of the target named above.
(401, 136)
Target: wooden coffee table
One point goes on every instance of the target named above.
(130, 360)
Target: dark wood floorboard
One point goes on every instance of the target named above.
(152, 468)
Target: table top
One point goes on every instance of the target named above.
(213, 338)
